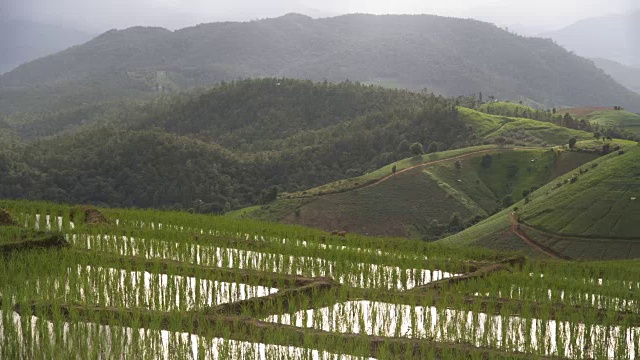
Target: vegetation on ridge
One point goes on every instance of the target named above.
(448, 56)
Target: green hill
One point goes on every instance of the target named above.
(446, 55)
(607, 118)
(240, 143)
(220, 149)
(519, 130)
(422, 197)
(589, 213)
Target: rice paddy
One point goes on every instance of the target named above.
(168, 285)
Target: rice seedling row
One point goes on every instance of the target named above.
(163, 285)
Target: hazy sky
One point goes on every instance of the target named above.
(101, 15)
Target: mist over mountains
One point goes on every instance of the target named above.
(22, 41)
(613, 37)
(628, 76)
(448, 56)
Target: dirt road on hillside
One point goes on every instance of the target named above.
(516, 229)
(437, 162)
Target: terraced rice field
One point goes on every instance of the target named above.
(164, 285)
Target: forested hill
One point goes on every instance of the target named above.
(223, 148)
(445, 55)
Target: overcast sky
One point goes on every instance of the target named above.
(97, 16)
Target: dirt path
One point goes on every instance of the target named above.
(437, 162)
(515, 228)
(387, 177)
(440, 284)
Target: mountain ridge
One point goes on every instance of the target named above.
(628, 76)
(22, 41)
(612, 37)
(449, 56)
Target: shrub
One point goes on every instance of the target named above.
(455, 224)
(416, 148)
(507, 201)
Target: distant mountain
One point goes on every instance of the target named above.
(628, 76)
(22, 41)
(446, 55)
(613, 37)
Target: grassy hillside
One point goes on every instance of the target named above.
(519, 130)
(610, 118)
(422, 197)
(445, 55)
(601, 203)
(589, 213)
(506, 108)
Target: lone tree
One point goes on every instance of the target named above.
(393, 170)
(269, 196)
(597, 135)
(486, 161)
(458, 165)
(416, 149)
(433, 148)
(403, 147)
(572, 142)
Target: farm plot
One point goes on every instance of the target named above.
(89, 340)
(346, 271)
(153, 285)
(509, 333)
